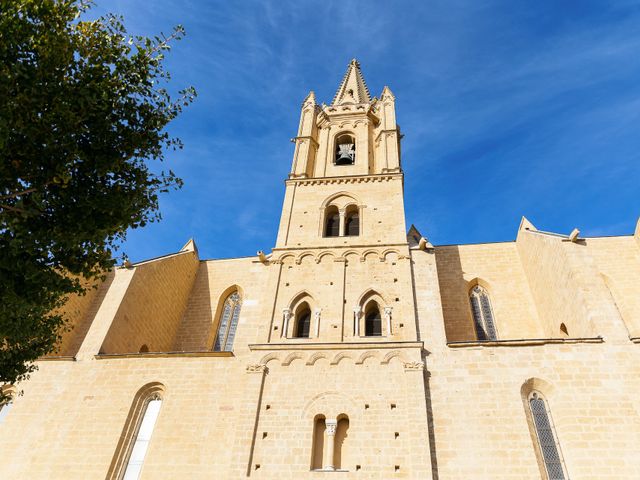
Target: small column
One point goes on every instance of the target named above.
(286, 315)
(330, 443)
(387, 318)
(317, 313)
(357, 311)
(342, 214)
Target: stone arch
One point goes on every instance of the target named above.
(329, 403)
(473, 281)
(366, 355)
(390, 251)
(315, 357)
(339, 357)
(367, 253)
(324, 254)
(331, 200)
(268, 358)
(287, 258)
(291, 357)
(536, 384)
(371, 293)
(303, 256)
(302, 297)
(391, 355)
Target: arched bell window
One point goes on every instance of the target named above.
(303, 321)
(482, 314)
(372, 320)
(228, 323)
(352, 221)
(345, 149)
(332, 222)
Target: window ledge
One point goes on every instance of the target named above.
(321, 470)
(103, 356)
(524, 342)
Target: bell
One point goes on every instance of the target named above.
(346, 154)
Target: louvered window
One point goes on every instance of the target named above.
(546, 438)
(482, 314)
(228, 323)
(142, 438)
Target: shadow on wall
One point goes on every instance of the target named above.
(79, 327)
(454, 293)
(197, 330)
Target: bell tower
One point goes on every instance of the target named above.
(345, 187)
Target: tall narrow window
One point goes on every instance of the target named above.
(5, 406)
(142, 438)
(482, 314)
(332, 222)
(547, 441)
(317, 449)
(341, 435)
(303, 321)
(372, 320)
(228, 323)
(352, 225)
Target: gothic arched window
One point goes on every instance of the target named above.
(228, 323)
(345, 149)
(332, 222)
(352, 223)
(547, 442)
(372, 320)
(142, 437)
(482, 314)
(303, 321)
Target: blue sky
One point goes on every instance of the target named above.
(508, 108)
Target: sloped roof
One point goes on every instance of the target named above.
(353, 88)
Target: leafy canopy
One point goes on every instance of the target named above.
(82, 112)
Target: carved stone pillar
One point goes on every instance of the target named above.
(331, 443)
(387, 318)
(342, 222)
(316, 314)
(286, 315)
(357, 311)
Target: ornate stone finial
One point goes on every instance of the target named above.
(257, 368)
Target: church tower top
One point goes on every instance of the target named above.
(353, 136)
(353, 88)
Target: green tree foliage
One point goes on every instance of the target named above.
(83, 111)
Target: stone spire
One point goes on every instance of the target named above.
(353, 88)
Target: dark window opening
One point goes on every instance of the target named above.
(303, 323)
(332, 226)
(373, 322)
(352, 227)
(345, 150)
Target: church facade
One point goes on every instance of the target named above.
(356, 349)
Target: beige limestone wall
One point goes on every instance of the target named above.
(77, 312)
(617, 259)
(151, 310)
(497, 267)
(215, 280)
(382, 216)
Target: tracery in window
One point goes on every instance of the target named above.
(547, 442)
(228, 323)
(482, 314)
(345, 149)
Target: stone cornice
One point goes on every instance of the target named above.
(523, 342)
(334, 346)
(346, 179)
